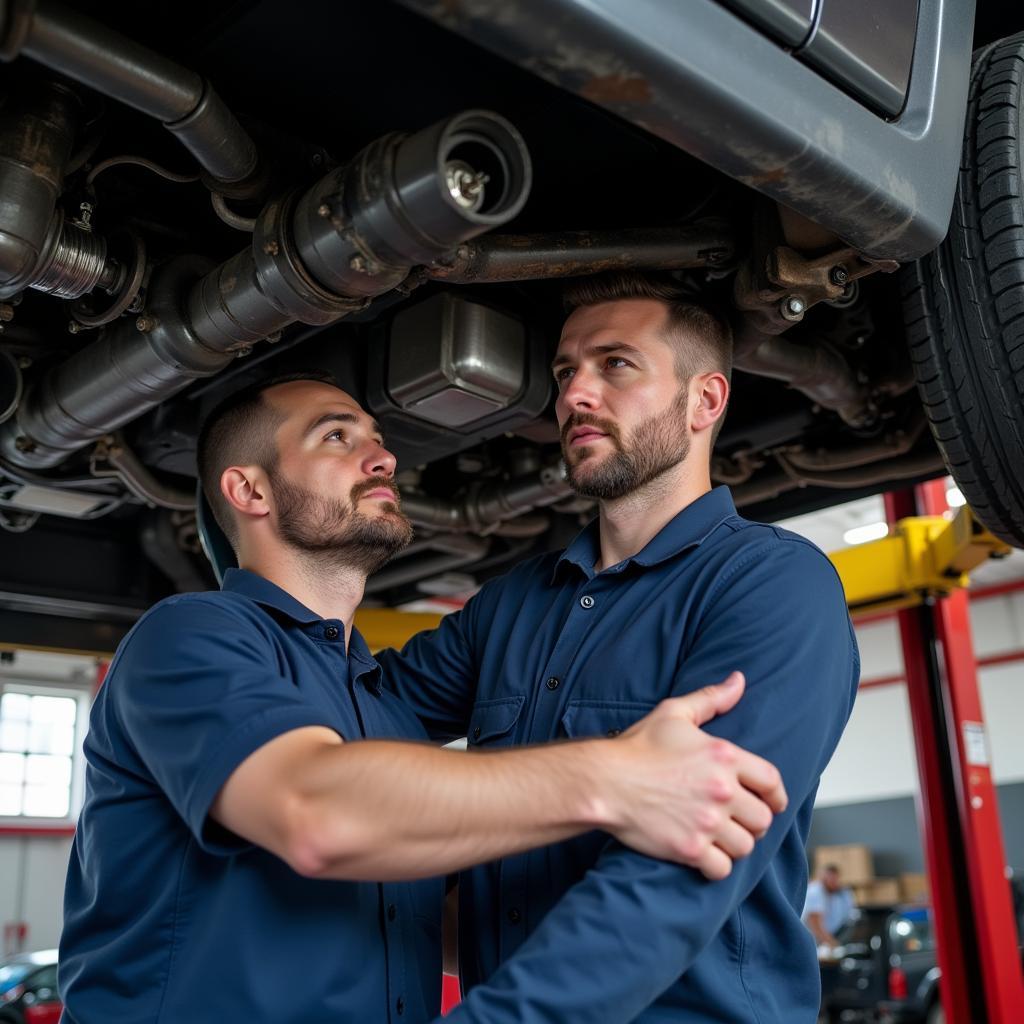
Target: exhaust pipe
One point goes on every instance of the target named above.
(315, 257)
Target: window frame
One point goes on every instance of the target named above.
(23, 824)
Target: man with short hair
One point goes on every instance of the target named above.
(668, 587)
(238, 858)
(828, 906)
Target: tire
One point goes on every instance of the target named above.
(964, 303)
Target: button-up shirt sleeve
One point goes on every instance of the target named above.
(197, 690)
(621, 936)
(436, 672)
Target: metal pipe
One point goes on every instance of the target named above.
(572, 253)
(111, 63)
(37, 132)
(314, 258)
(140, 481)
(770, 485)
(898, 442)
(821, 374)
(481, 509)
(454, 553)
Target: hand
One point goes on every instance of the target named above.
(682, 795)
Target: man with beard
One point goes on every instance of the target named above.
(668, 587)
(222, 862)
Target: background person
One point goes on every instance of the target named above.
(829, 905)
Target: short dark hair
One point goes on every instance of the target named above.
(700, 337)
(238, 431)
(833, 868)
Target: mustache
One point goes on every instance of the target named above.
(588, 419)
(372, 484)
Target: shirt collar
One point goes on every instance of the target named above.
(687, 529)
(259, 589)
(270, 595)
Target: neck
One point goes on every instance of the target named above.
(332, 591)
(629, 523)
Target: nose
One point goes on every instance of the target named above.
(379, 462)
(579, 394)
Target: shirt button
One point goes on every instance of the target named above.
(587, 601)
(331, 632)
(552, 683)
(514, 916)
(400, 1006)
(392, 912)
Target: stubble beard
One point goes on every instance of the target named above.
(658, 444)
(336, 531)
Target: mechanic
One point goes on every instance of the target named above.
(829, 905)
(221, 865)
(667, 588)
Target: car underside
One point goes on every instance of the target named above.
(397, 193)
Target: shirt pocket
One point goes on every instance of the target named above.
(493, 722)
(587, 718)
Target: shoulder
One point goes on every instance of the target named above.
(523, 577)
(766, 550)
(210, 616)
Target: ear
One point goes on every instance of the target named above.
(709, 397)
(245, 489)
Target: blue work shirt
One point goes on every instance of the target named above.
(169, 918)
(587, 930)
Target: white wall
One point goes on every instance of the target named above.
(875, 758)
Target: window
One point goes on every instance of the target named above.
(40, 730)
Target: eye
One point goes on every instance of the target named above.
(563, 374)
(615, 362)
(339, 434)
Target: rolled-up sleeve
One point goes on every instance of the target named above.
(197, 690)
(633, 925)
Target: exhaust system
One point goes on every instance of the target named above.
(315, 257)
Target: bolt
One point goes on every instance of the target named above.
(792, 308)
(323, 210)
(242, 351)
(839, 276)
(273, 339)
(24, 444)
(271, 248)
(74, 327)
(145, 323)
(6, 312)
(358, 264)
(24, 363)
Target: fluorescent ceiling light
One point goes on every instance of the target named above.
(862, 534)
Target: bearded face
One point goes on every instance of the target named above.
(656, 445)
(336, 530)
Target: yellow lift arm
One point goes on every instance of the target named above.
(924, 556)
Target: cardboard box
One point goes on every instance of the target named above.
(880, 891)
(854, 861)
(914, 887)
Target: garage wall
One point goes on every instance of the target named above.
(867, 792)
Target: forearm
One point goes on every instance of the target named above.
(387, 810)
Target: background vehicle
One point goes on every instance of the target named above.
(219, 194)
(886, 968)
(28, 988)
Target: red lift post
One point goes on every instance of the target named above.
(959, 816)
